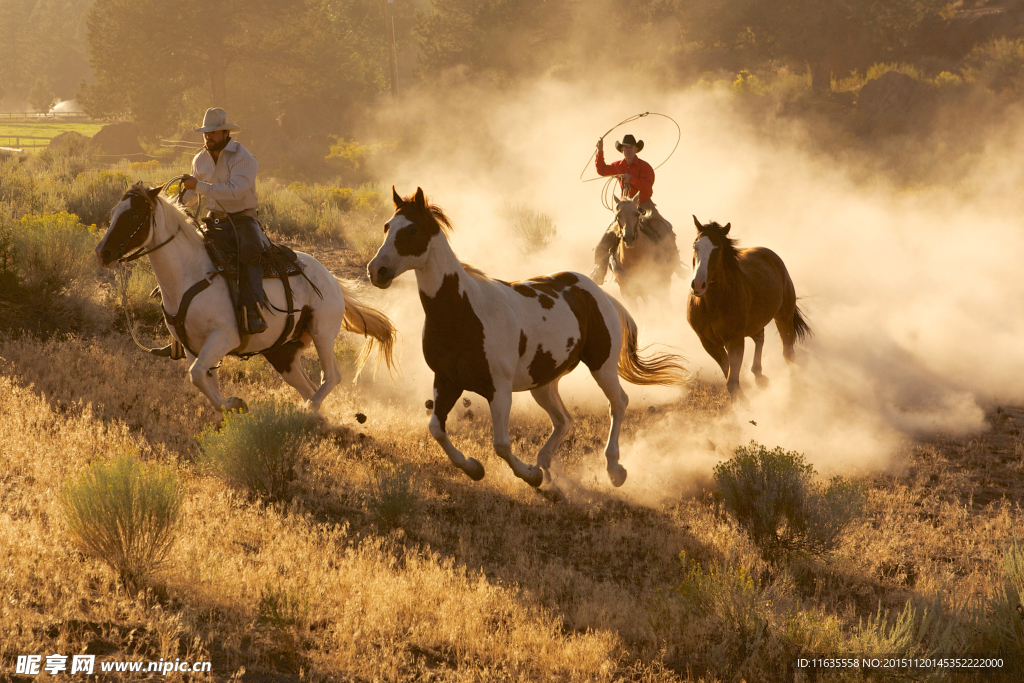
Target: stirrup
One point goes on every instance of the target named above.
(254, 323)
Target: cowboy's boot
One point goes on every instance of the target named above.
(254, 321)
(163, 352)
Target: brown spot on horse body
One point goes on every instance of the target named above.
(595, 340)
(522, 343)
(543, 369)
(283, 356)
(453, 339)
(546, 301)
(525, 290)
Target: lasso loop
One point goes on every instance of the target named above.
(608, 191)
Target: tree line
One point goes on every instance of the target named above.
(312, 62)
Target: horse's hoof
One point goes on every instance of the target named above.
(473, 469)
(762, 381)
(534, 476)
(617, 473)
(235, 403)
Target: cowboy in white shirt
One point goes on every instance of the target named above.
(224, 175)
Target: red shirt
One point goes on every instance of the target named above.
(642, 175)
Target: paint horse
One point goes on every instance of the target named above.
(734, 294)
(642, 267)
(493, 338)
(146, 221)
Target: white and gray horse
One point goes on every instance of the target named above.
(146, 221)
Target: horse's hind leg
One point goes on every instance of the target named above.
(607, 377)
(324, 334)
(204, 376)
(788, 334)
(762, 381)
(501, 407)
(445, 396)
(561, 423)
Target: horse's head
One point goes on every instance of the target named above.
(130, 224)
(407, 238)
(708, 249)
(627, 216)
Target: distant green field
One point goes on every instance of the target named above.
(9, 131)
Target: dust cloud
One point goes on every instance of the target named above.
(914, 297)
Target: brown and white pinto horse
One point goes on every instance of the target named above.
(144, 219)
(735, 293)
(494, 338)
(639, 265)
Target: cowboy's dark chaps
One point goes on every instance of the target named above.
(249, 246)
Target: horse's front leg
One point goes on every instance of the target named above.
(734, 348)
(501, 407)
(762, 381)
(204, 377)
(445, 396)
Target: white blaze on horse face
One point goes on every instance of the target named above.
(121, 207)
(388, 264)
(702, 249)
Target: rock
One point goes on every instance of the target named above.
(119, 140)
(360, 418)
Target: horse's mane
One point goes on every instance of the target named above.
(475, 272)
(433, 212)
(177, 213)
(729, 251)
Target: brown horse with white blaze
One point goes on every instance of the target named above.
(493, 338)
(734, 294)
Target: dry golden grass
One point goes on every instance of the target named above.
(487, 581)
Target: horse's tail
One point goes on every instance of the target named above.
(374, 325)
(665, 369)
(800, 326)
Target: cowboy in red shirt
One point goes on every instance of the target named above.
(635, 175)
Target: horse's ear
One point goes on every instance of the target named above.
(152, 193)
(421, 201)
(725, 230)
(396, 198)
(697, 223)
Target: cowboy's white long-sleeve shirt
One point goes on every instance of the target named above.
(228, 185)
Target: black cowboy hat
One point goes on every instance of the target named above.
(629, 140)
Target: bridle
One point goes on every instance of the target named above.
(147, 220)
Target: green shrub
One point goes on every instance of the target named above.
(67, 155)
(394, 496)
(260, 450)
(533, 230)
(124, 513)
(92, 195)
(135, 283)
(773, 499)
(22, 193)
(717, 620)
(997, 65)
(54, 252)
(1006, 626)
(917, 631)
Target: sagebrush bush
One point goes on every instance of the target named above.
(533, 230)
(124, 513)
(260, 450)
(997, 65)
(68, 155)
(54, 252)
(394, 496)
(92, 195)
(774, 500)
(22, 192)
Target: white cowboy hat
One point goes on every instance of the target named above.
(216, 119)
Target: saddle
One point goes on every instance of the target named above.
(276, 260)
